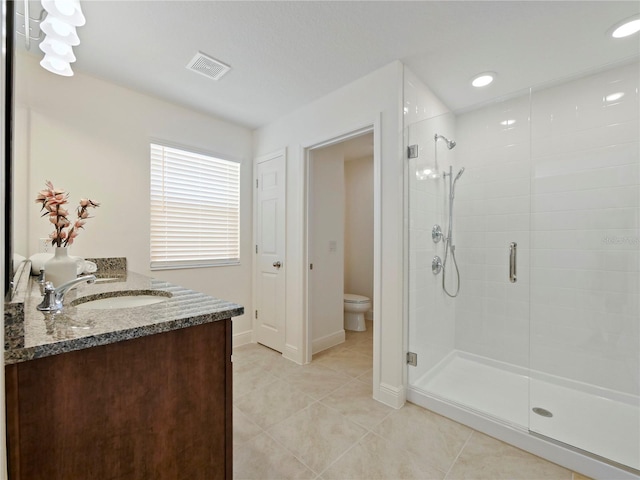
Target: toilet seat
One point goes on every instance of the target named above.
(352, 298)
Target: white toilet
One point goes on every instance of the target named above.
(355, 306)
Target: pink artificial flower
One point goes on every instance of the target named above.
(52, 200)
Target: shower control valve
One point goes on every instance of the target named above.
(436, 265)
(436, 233)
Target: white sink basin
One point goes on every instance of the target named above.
(123, 301)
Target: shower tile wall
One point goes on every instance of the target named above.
(491, 210)
(585, 242)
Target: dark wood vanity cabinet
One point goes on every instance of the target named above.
(156, 407)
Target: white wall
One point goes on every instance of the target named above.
(375, 99)
(327, 201)
(358, 239)
(92, 138)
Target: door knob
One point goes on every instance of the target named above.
(277, 264)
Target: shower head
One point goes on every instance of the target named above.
(459, 173)
(450, 143)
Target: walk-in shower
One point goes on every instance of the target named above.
(550, 362)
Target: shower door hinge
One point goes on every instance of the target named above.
(412, 359)
(412, 151)
(256, 313)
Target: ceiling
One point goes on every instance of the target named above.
(286, 54)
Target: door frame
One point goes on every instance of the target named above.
(373, 127)
(254, 259)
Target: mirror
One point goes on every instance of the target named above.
(7, 174)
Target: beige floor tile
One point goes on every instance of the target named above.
(316, 380)
(487, 458)
(281, 367)
(375, 458)
(317, 435)
(363, 348)
(354, 401)
(250, 376)
(252, 352)
(437, 439)
(337, 348)
(577, 476)
(351, 363)
(273, 403)
(366, 378)
(243, 428)
(262, 458)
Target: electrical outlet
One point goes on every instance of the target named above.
(44, 245)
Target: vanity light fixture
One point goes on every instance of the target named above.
(626, 27)
(58, 49)
(68, 11)
(59, 26)
(56, 65)
(58, 29)
(483, 79)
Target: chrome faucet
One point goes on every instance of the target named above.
(53, 297)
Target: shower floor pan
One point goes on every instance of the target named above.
(596, 420)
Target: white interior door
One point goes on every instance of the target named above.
(270, 249)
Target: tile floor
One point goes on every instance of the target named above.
(318, 421)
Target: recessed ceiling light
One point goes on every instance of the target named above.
(508, 123)
(627, 27)
(483, 79)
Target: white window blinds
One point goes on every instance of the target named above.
(195, 209)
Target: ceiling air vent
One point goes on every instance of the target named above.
(207, 66)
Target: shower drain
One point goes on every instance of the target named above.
(542, 412)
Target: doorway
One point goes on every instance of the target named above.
(335, 169)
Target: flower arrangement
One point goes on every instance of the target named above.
(53, 201)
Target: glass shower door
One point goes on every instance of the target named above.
(431, 325)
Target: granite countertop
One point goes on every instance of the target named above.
(42, 334)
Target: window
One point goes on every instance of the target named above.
(195, 209)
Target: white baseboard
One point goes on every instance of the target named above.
(394, 397)
(242, 338)
(328, 341)
(293, 353)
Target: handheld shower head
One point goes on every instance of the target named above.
(450, 143)
(459, 174)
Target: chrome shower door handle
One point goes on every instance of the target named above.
(513, 251)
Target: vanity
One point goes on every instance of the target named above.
(106, 390)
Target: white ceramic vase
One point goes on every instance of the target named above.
(61, 268)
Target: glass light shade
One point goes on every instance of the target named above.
(57, 29)
(56, 65)
(57, 48)
(68, 11)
